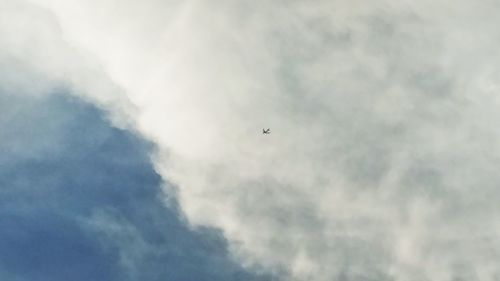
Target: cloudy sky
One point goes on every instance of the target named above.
(131, 144)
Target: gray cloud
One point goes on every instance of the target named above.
(381, 162)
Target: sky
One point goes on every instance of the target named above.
(132, 147)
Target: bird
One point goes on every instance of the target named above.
(268, 131)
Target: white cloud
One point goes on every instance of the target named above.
(382, 158)
(36, 58)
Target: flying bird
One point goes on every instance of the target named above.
(268, 131)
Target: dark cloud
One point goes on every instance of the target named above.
(79, 200)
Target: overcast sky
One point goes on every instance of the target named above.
(132, 147)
